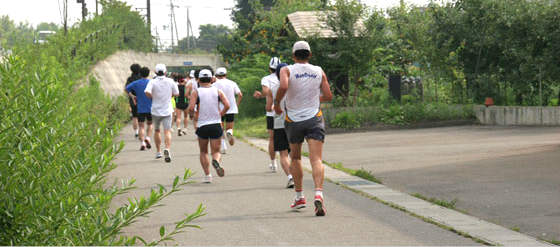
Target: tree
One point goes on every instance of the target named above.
(12, 34)
(209, 37)
(45, 26)
(265, 34)
(360, 35)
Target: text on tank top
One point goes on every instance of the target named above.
(304, 90)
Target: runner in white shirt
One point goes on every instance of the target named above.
(209, 129)
(304, 86)
(281, 143)
(230, 89)
(267, 82)
(160, 90)
(192, 85)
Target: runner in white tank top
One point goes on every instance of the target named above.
(302, 97)
(304, 86)
(267, 82)
(209, 129)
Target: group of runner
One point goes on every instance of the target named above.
(293, 96)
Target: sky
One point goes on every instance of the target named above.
(200, 12)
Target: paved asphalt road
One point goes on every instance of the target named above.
(506, 175)
(250, 206)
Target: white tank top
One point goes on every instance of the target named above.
(209, 106)
(278, 118)
(304, 90)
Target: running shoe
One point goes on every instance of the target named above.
(230, 139)
(298, 204)
(185, 132)
(290, 183)
(319, 206)
(273, 167)
(179, 132)
(224, 151)
(148, 145)
(219, 169)
(167, 155)
(136, 136)
(158, 155)
(142, 147)
(207, 179)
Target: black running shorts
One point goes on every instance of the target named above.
(182, 106)
(313, 128)
(211, 131)
(269, 123)
(142, 117)
(281, 140)
(228, 118)
(134, 110)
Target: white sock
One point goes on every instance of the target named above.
(273, 162)
(230, 131)
(224, 143)
(290, 177)
(319, 193)
(136, 131)
(147, 138)
(299, 194)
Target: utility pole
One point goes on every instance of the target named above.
(188, 30)
(96, 7)
(190, 34)
(171, 22)
(84, 10)
(149, 16)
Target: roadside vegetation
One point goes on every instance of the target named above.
(450, 56)
(57, 140)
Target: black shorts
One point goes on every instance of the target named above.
(182, 106)
(228, 118)
(211, 131)
(142, 117)
(281, 140)
(134, 110)
(269, 123)
(313, 128)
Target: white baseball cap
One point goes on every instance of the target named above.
(274, 62)
(301, 45)
(191, 75)
(160, 67)
(221, 71)
(205, 74)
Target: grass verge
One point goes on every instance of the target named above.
(254, 127)
(446, 204)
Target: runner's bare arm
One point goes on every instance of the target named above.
(224, 101)
(192, 101)
(284, 83)
(269, 101)
(259, 94)
(239, 97)
(188, 89)
(325, 89)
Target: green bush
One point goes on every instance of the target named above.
(399, 114)
(57, 143)
(248, 74)
(346, 120)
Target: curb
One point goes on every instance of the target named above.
(462, 223)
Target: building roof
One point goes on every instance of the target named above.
(309, 23)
